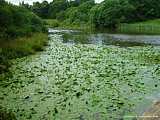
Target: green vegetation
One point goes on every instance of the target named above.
(25, 45)
(20, 33)
(79, 16)
(52, 23)
(72, 14)
(82, 81)
(20, 47)
(108, 14)
(151, 22)
(145, 27)
(151, 27)
(111, 13)
(17, 21)
(74, 80)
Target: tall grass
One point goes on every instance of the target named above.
(146, 27)
(51, 22)
(10, 49)
(25, 44)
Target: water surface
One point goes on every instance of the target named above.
(122, 40)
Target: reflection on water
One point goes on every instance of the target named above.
(75, 37)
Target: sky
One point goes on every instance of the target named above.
(31, 1)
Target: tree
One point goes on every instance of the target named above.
(57, 6)
(41, 9)
(80, 14)
(145, 9)
(111, 12)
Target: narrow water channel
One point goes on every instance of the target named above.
(84, 77)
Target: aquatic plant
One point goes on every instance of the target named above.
(82, 81)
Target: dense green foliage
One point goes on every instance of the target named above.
(145, 9)
(80, 14)
(20, 33)
(108, 14)
(67, 12)
(111, 12)
(17, 21)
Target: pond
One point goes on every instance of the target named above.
(84, 77)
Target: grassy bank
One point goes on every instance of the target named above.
(22, 46)
(53, 23)
(146, 27)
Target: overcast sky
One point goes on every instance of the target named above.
(31, 1)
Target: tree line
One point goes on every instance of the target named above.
(109, 13)
(23, 20)
(68, 12)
